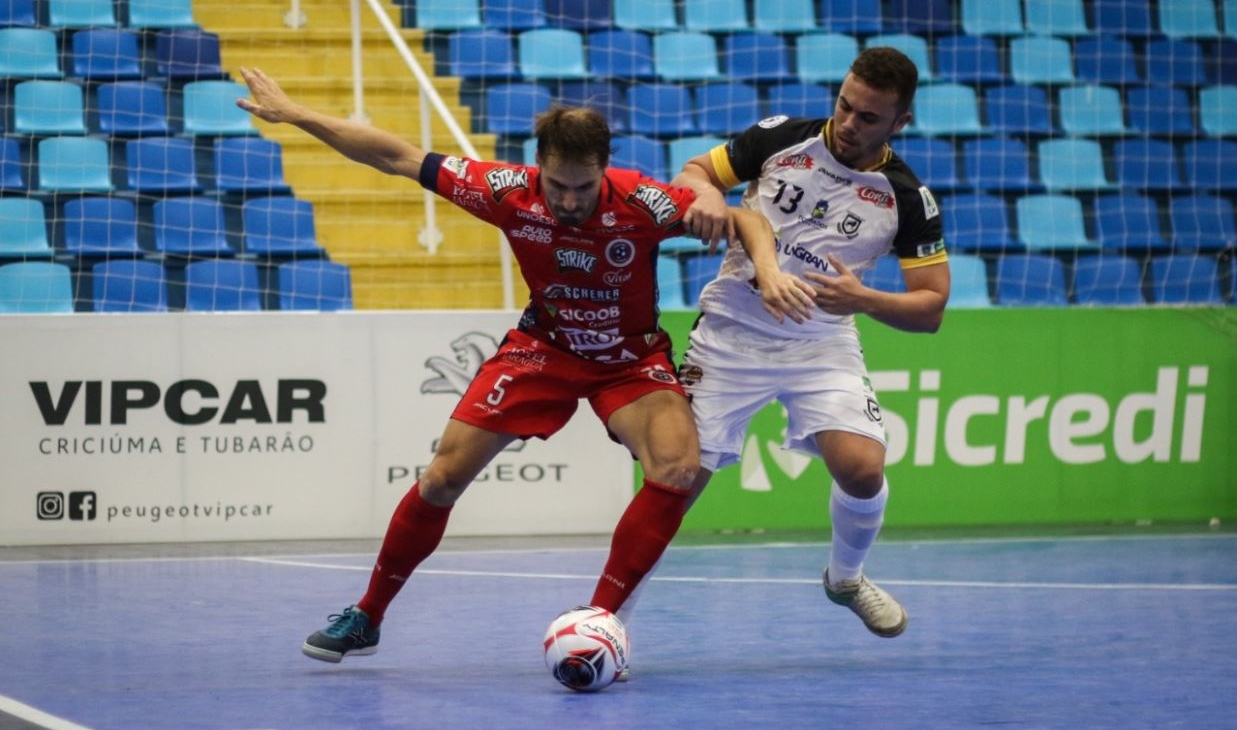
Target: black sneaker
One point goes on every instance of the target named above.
(348, 635)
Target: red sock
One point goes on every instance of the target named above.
(641, 536)
(416, 529)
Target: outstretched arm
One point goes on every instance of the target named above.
(359, 142)
(708, 218)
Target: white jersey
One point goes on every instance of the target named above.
(817, 206)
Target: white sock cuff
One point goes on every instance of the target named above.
(861, 506)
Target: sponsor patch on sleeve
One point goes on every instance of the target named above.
(930, 210)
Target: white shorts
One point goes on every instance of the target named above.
(731, 371)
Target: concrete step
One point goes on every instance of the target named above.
(221, 16)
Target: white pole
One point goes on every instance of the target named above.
(294, 18)
(358, 74)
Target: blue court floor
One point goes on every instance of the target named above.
(1116, 631)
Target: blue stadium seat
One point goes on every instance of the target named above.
(100, 226)
(129, 285)
(1041, 60)
(1202, 222)
(512, 108)
(1221, 60)
(681, 244)
(1106, 60)
(1230, 18)
(607, 97)
(715, 16)
(161, 165)
(824, 57)
(998, 164)
(23, 229)
(851, 16)
(12, 166)
(222, 285)
(74, 165)
(699, 271)
(1160, 110)
(1030, 280)
(977, 223)
(1130, 223)
(1146, 165)
(279, 226)
(762, 57)
(36, 287)
(314, 284)
(968, 287)
(968, 59)
(1107, 280)
(814, 101)
(1018, 109)
(1175, 61)
(934, 161)
(783, 16)
(47, 107)
(920, 17)
(132, 108)
(686, 56)
(992, 17)
(1055, 17)
(670, 289)
(637, 152)
(1051, 222)
(106, 54)
(18, 13)
(1210, 164)
(685, 148)
(1123, 18)
(1091, 110)
(650, 15)
(585, 16)
(1185, 279)
(29, 53)
(81, 13)
(621, 54)
(192, 226)
(481, 54)
(551, 53)
(210, 109)
(512, 15)
(915, 48)
(661, 110)
(188, 55)
(1217, 111)
(885, 275)
(1072, 163)
(153, 14)
(726, 108)
(249, 165)
(946, 109)
(446, 15)
(1189, 19)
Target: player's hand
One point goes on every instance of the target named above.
(708, 219)
(786, 295)
(270, 103)
(840, 294)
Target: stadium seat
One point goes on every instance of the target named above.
(132, 108)
(188, 55)
(161, 165)
(670, 288)
(661, 110)
(481, 55)
(1106, 60)
(128, 285)
(152, 14)
(222, 285)
(1050, 222)
(12, 166)
(1217, 111)
(783, 16)
(946, 109)
(915, 48)
(1189, 19)
(649, 15)
(686, 56)
(885, 275)
(968, 59)
(23, 229)
(192, 226)
(81, 13)
(920, 17)
(29, 53)
(977, 223)
(35, 287)
(607, 97)
(681, 244)
(992, 17)
(1144, 164)
(1030, 280)
(100, 226)
(512, 108)
(1072, 163)
(1055, 18)
(1184, 279)
(279, 226)
(1210, 164)
(1175, 61)
(637, 152)
(447, 15)
(18, 13)
(814, 101)
(715, 16)
(1129, 223)
(1091, 110)
(1018, 109)
(852, 16)
(249, 165)
(968, 287)
(824, 57)
(210, 109)
(756, 57)
(1230, 18)
(585, 16)
(1221, 62)
(726, 108)
(106, 54)
(1000, 164)
(1201, 222)
(1162, 110)
(551, 53)
(933, 160)
(1107, 280)
(1041, 60)
(621, 54)
(314, 284)
(1122, 18)
(74, 165)
(699, 271)
(513, 15)
(685, 148)
(47, 107)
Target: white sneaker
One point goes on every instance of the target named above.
(883, 615)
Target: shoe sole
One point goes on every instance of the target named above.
(334, 657)
(895, 631)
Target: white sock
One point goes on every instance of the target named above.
(856, 523)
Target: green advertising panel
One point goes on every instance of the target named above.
(1020, 416)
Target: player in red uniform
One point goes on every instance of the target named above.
(586, 238)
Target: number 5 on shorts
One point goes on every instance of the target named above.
(498, 391)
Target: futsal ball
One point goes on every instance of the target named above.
(586, 648)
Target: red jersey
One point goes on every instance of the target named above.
(593, 288)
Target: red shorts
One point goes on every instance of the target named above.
(529, 388)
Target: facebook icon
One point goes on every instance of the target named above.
(82, 506)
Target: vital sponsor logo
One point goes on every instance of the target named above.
(879, 198)
(616, 278)
(800, 161)
(620, 252)
(564, 291)
(573, 259)
(505, 180)
(849, 226)
(81, 506)
(185, 402)
(536, 234)
(655, 201)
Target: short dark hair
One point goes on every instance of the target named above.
(888, 69)
(575, 134)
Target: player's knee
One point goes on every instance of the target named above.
(861, 480)
(438, 488)
(678, 471)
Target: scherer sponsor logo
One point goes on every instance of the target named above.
(655, 201)
(505, 180)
